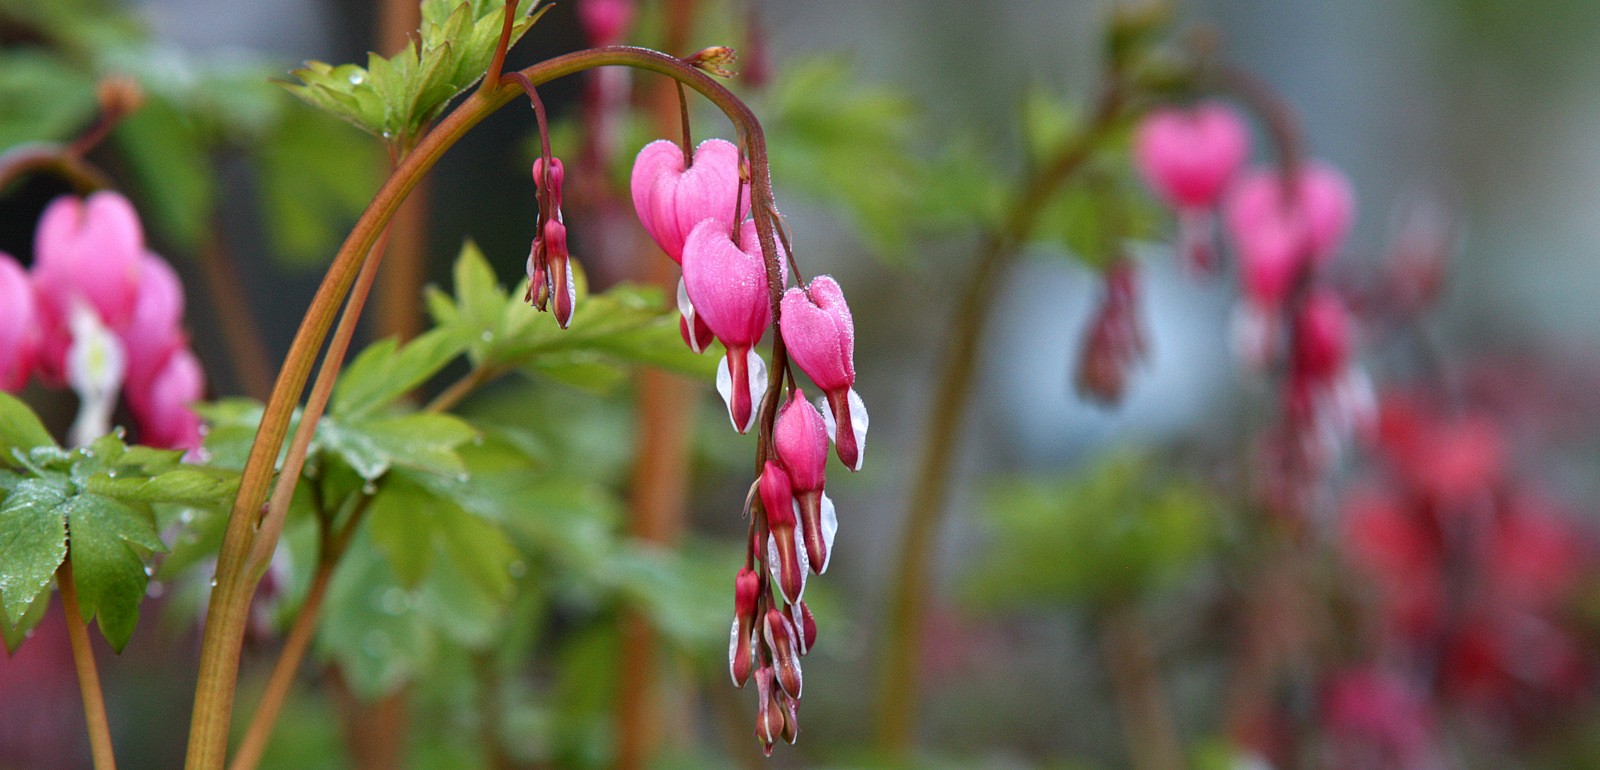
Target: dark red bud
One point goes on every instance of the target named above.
(780, 637)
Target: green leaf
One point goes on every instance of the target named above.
(1130, 527)
(385, 371)
(186, 485)
(400, 529)
(41, 98)
(33, 541)
(394, 97)
(13, 632)
(316, 175)
(167, 154)
(826, 129)
(422, 441)
(372, 626)
(109, 542)
(20, 430)
(417, 531)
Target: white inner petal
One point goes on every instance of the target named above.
(830, 525)
(827, 417)
(858, 426)
(758, 386)
(733, 652)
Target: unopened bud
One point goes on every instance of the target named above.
(741, 640)
(119, 95)
(790, 709)
(785, 549)
(714, 60)
(780, 638)
(769, 713)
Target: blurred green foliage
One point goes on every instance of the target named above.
(1122, 531)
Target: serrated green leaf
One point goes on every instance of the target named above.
(33, 541)
(20, 429)
(108, 543)
(187, 485)
(13, 632)
(422, 441)
(400, 524)
(385, 371)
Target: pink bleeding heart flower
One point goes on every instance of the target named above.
(786, 548)
(605, 22)
(163, 405)
(558, 271)
(801, 438)
(820, 336)
(727, 286)
(154, 330)
(1281, 229)
(89, 251)
(741, 641)
(672, 200)
(1188, 156)
(19, 325)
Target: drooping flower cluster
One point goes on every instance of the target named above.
(1285, 225)
(695, 207)
(101, 314)
(1472, 572)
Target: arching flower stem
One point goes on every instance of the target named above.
(237, 573)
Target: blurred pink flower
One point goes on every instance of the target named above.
(19, 325)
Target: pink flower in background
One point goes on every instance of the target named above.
(672, 200)
(1189, 156)
(162, 405)
(1280, 230)
(1375, 719)
(821, 338)
(19, 325)
(109, 320)
(85, 250)
(606, 22)
(727, 285)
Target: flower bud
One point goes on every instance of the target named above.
(741, 654)
(714, 60)
(790, 708)
(820, 335)
(786, 554)
(769, 713)
(19, 325)
(563, 290)
(558, 177)
(801, 437)
(805, 625)
(780, 637)
(727, 284)
(1113, 342)
(671, 200)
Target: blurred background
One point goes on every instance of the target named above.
(1105, 586)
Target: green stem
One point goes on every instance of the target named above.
(237, 573)
(94, 702)
(902, 642)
